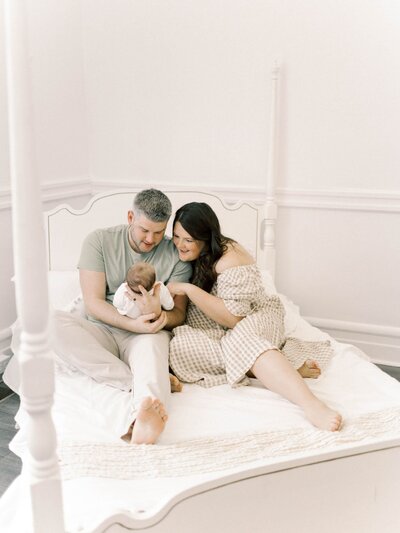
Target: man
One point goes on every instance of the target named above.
(106, 342)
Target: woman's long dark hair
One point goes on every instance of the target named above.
(202, 224)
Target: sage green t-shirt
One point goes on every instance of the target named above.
(108, 250)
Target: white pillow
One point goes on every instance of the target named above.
(64, 290)
(268, 282)
(292, 313)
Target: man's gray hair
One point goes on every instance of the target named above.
(153, 204)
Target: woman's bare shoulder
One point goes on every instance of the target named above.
(235, 255)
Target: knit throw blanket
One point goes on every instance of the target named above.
(199, 456)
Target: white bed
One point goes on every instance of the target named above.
(247, 454)
(242, 460)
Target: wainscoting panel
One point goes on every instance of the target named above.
(381, 343)
(75, 192)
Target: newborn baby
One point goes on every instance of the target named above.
(130, 298)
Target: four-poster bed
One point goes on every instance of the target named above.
(230, 459)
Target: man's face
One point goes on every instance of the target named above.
(144, 234)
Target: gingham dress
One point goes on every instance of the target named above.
(208, 354)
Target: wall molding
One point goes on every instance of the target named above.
(380, 343)
(5, 338)
(5, 348)
(359, 327)
(53, 191)
(340, 199)
(371, 200)
(230, 194)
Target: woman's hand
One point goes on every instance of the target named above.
(176, 287)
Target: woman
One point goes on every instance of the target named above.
(233, 329)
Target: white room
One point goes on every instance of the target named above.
(177, 95)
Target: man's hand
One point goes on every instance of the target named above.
(147, 303)
(149, 323)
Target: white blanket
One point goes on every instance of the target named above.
(86, 412)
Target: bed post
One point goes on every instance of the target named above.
(270, 210)
(40, 468)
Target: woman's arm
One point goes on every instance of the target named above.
(211, 305)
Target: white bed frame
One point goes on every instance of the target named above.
(350, 491)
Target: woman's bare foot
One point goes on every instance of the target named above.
(309, 369)
(322, 416)
(150, 421)
(176, 385)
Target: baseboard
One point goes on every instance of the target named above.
(5, 350)
(380, 343)
(5, 339)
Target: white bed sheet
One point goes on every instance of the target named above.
(87, 411)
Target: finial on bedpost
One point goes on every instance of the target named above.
(40, 465)
(270, 212)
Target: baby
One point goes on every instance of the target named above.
(142, 274)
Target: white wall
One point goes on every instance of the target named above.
(58, 85)
(4, 160)
(61, 134)
(178, 93)
(179, 90)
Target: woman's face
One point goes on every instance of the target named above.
(189, 249)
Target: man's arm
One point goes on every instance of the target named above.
(177, 315)
(93, 285)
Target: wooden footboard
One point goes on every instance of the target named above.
(349, 492)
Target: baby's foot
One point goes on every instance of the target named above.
(323, 417)
(309, 369)
(150, 421)
(176, 385)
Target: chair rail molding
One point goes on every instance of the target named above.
(51, 191)
(385, 201)
(230, 193)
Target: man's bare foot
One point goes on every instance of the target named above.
(322, 416)
(150, 421)
(309, 369)
(176, 385)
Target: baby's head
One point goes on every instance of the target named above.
(141, 274)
